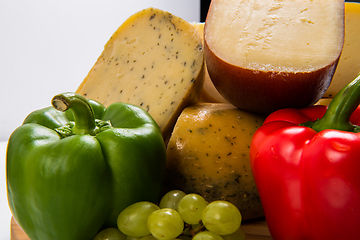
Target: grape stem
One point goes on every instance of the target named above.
(192, 230)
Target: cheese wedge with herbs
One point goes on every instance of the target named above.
(349, 63)
(208, 154)
(154, 60)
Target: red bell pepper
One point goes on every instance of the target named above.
(306, 164)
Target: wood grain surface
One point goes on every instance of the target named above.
(255, 230)
(15, 231)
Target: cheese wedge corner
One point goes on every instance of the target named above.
(154, 60)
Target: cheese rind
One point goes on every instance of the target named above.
(349, 63)
(154, 60)
(208, 154)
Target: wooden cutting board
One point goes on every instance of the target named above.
(255, 230)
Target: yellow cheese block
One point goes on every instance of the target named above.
(209, 93)
(154, 60)
(324, 101)
(208, 154)
(349, 64)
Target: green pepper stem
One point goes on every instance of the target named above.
(338, 114)
(81, 108)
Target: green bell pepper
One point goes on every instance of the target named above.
(70, 173)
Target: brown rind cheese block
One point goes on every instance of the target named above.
(266, 55)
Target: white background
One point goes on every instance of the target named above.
(48, 47)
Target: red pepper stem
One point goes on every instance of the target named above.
(81, 108)
(338, 114)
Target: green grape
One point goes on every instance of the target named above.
(221, 217)
(110, 234)
(191, 207)
(171, 199)
(148, 237)
(206, 235)
(165, 224)
(237, 235)
(132, 221)
(132, 238)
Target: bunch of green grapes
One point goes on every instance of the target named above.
(178, 216)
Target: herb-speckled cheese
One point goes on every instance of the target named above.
(153, 60)
(208, 154)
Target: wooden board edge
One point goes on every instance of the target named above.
(16, 233)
